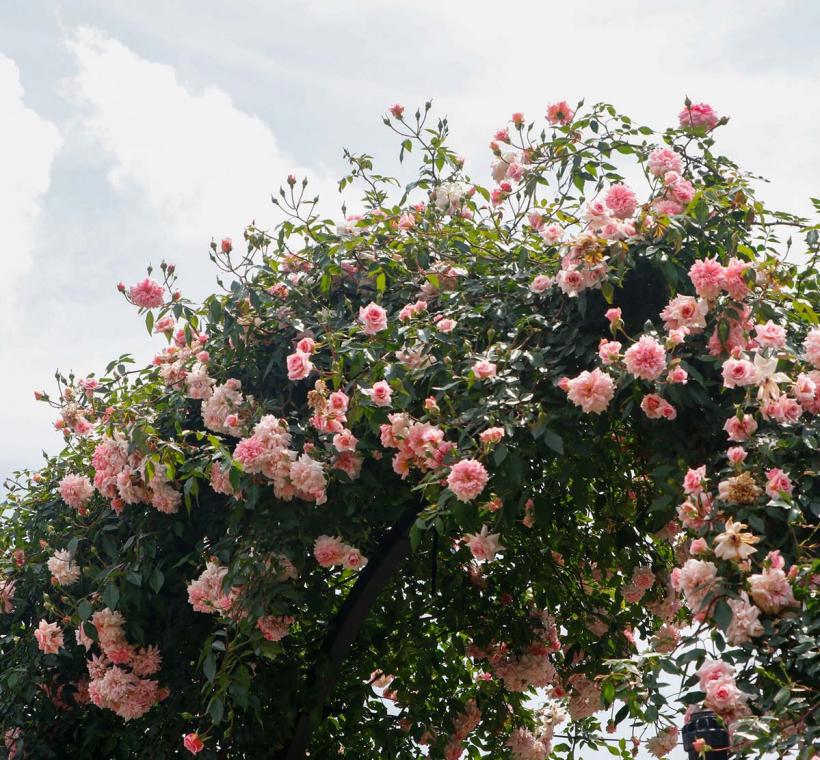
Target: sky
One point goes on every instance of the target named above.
(136, 132)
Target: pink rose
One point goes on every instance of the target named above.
(491, 435)
(559, 113)
(345, 441)
(299, 365)
(483, 369)
(698, 115)
(770, 335)
(373, 317)
(736, 454)
(397, 110)
(738, 372)
(306, 345)
(193, 742)
(467, 479)
(540, 283)
(380, 394)
(621, 201)
(646, 358)
(707, 275)
(329, 551)
(740, 430)
(592, 391)
(147, 294)
(663, 160)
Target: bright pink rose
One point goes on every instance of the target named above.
(592, 391)
(193, 743)
(467, 479)
(373, 317)
(621, 201)
(698, 115)
(147, 294)
(646, 358)
(677, 376)
(614, 316)
(299, 365)
(694, 480)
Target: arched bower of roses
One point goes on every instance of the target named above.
(565, 418)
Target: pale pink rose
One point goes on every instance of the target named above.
(308, 478)
(736, 454)
(667, 206)
(621, 200)
(698, 546)
(771, 590)
(685, 311)
(193, 742)
(467, 479)
(147, 294)
(695, 580)
(677, 336)
(740, 430)
(707, 275)
(609, 351)
(63, 568)
(646, 358)
(723, 696)
(299, 365)
(713, 670)
(559, 113)
(778, 483)
(592, 391)
(491, 435)
(446, 325)
(552, 235)
(76, 491)
(655, 407)
(662, 744)
(49, 637)
(373, 317)
(345, 441)
(430, 404)
(380, 394)
(515, 171)
(738, 373)
(540, 283)
(614, 316)
(484, 369)
(306, 345)
(410, 310)
(7, 596)
(734, 282)
(698, 115)
(663, 160)
(666, 640)
(354, 559)
(677, 376)
(483, 545)
(695, 480)
(596, 213)
(745, 624)
(812, 347)
(536, 220)
(571, 281)
(643, 578)
(681, 190)
(338, 402)
(770, 335)
(329, 551)
(805, 390)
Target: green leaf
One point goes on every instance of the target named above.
(111, 596)
(554, 441)
(156, 580)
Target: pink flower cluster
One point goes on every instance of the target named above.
(663, 743)
(207, 593)
(121, 477)
(119, 676)
(420, 445)
(330, 551)
(717, 679)
(585, 697)
(275, 628)
(463, 725)
(642, 580)
(525, 745)
(267, 452)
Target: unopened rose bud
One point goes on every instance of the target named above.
(177, 295)
(227, 245)
(38, 396)
(171, 268)
(397, 109)
(121, 287)
(518, 119)
(291, 180)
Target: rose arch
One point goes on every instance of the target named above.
(488, 472)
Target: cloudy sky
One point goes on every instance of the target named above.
(136, 132)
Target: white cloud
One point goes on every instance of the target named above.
(204, 167)
(28, 145)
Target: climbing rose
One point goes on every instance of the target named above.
(698, 115)
(76, 491)
(812, 347)
(770, 335)
(467, 479)
(663, 160)
(193, 743)
(734, 543)
(299, 365)
(49, 637)
(656, 408)
(329, 551)
(380, 394)
(745, 624)
(771, 590)
(560, 113)
(592, 391)
(707, 275)
(147, 294)
(483, 369)
(621, 201)
(778, 483)
(483, 545)
(662, 744)
(373, 317)
(740, 430)
(63, 568)
(491, 435)
(646, 358)
(738, 372)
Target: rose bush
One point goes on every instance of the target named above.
(578, 414)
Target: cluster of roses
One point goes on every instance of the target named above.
(536, 744)
(267, 452)
(122, 477)
(330, 418)
(118, 676)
